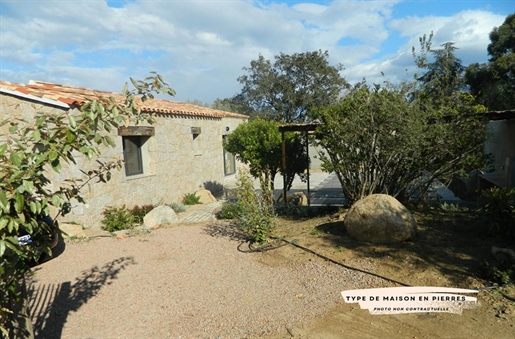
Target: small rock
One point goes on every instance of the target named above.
(205, 196)
(296, 199)
(121, 236)
(72, 230)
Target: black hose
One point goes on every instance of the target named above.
(274, 245)
(266, 247)
(343, 265)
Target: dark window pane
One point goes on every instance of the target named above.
(229, 162)
(132, 155)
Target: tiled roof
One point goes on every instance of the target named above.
(71, 95)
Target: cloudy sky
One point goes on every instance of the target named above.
(200, 47)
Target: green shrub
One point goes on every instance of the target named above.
(191, 199)
(256, 218)
(290, 210)
(286, 210)
(497, 206)
(177, 207)
(139, 212)
(498, 273)
(230, 210)
(453, 208)
(116, 219)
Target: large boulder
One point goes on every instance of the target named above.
(380, 218)
(158, 216)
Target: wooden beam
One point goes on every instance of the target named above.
(298, 127)
(147, 131)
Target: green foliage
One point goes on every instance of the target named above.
(316, 231)
(230, 210)
(117, 219)
(373, 139)
(378, 141)
(398, 139)
(235, 104)
(497, 210)
(494, 82)
(444, 73)
(287, 89)
(302, 212)
(177, 207)
(453, 208)
(256, 217)
(29, 149)
(258, 144)
(191, 199)
(501, 273)
(139, 212)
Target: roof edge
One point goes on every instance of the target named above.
(35, 98)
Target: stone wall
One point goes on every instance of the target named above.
(177, 163)
(501, 144)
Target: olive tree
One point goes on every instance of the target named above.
(29, 151)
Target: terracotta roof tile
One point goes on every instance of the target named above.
(77, 95)
(21, 89)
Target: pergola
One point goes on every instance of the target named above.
(306, 128)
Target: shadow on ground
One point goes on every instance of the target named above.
(453, 243)
(51, 304)
(226, 230)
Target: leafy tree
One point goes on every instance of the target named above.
(377, 141)
(494, 82)
(234, 104)
(258, 143)
(28, 153)
(197, 102)
(287, 89)
(444, 73)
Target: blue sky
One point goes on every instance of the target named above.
(200, 47)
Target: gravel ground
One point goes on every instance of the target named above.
(182, 282)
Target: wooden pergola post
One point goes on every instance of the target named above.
(296, 128)
(284, 168)
(307, 160)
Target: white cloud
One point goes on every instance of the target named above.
(310, 8)
(201, 46)
(468, 30)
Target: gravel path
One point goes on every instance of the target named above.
(182, 282)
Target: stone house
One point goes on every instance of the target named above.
(179, 154)
(501, 144)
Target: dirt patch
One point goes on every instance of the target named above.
(192, 282)
(447, 252)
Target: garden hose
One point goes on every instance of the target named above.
(277, 244)
(266, 247)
